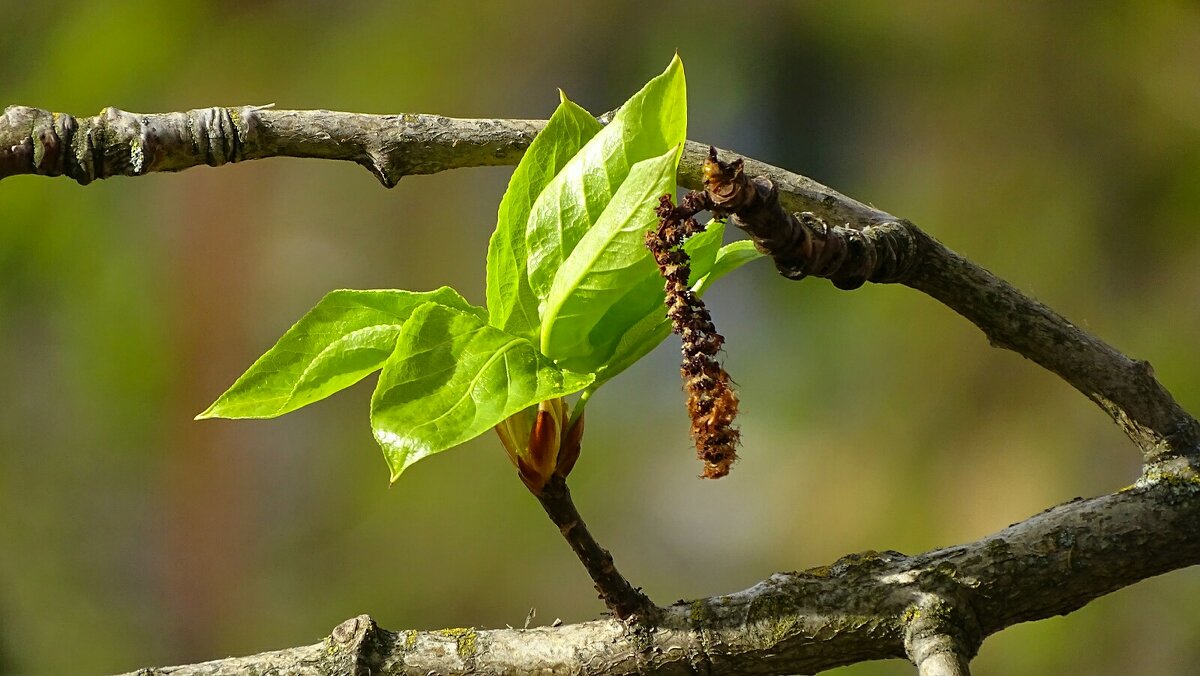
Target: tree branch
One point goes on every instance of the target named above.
(940, 636)
(118, 143)
(936, 608)
(874, 246)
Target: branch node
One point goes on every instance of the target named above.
(1178, 472)
(941, 637)
(215, 135)
(383, 168)
(363, 642)
(804, 245)
(351, 631)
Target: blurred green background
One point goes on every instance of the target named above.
(1057, 144)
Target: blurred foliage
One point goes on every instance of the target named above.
(1056, 143)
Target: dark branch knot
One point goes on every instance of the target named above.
(803, 245)
(120, 143)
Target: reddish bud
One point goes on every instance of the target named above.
(543, 443)
(568, 451)
(532, 438)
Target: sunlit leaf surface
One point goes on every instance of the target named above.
(451, 378)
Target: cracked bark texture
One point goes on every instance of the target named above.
(933, 608)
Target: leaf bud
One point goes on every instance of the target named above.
(533, 438)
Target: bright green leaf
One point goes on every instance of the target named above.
(729, 258)
(702, 249)
(451, 378)
(511, 303)
(651, 123)
(609, 281)
(567, 272)
(709, 262)
(641, 338)
(344, 338)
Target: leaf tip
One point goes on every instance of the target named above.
(395, 469)
(676, 65)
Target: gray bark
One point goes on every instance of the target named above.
(933, 608)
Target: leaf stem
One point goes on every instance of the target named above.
(577, 409)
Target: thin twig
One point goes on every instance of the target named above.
(621, 597)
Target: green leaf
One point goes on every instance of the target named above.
(451, 378)
(709, 262)
(729, 258)
(511, 303)
(344, 338)
(702, 249)
(640, 340)
(651, 123)
(609, 281)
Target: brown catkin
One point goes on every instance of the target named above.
(712, 404)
